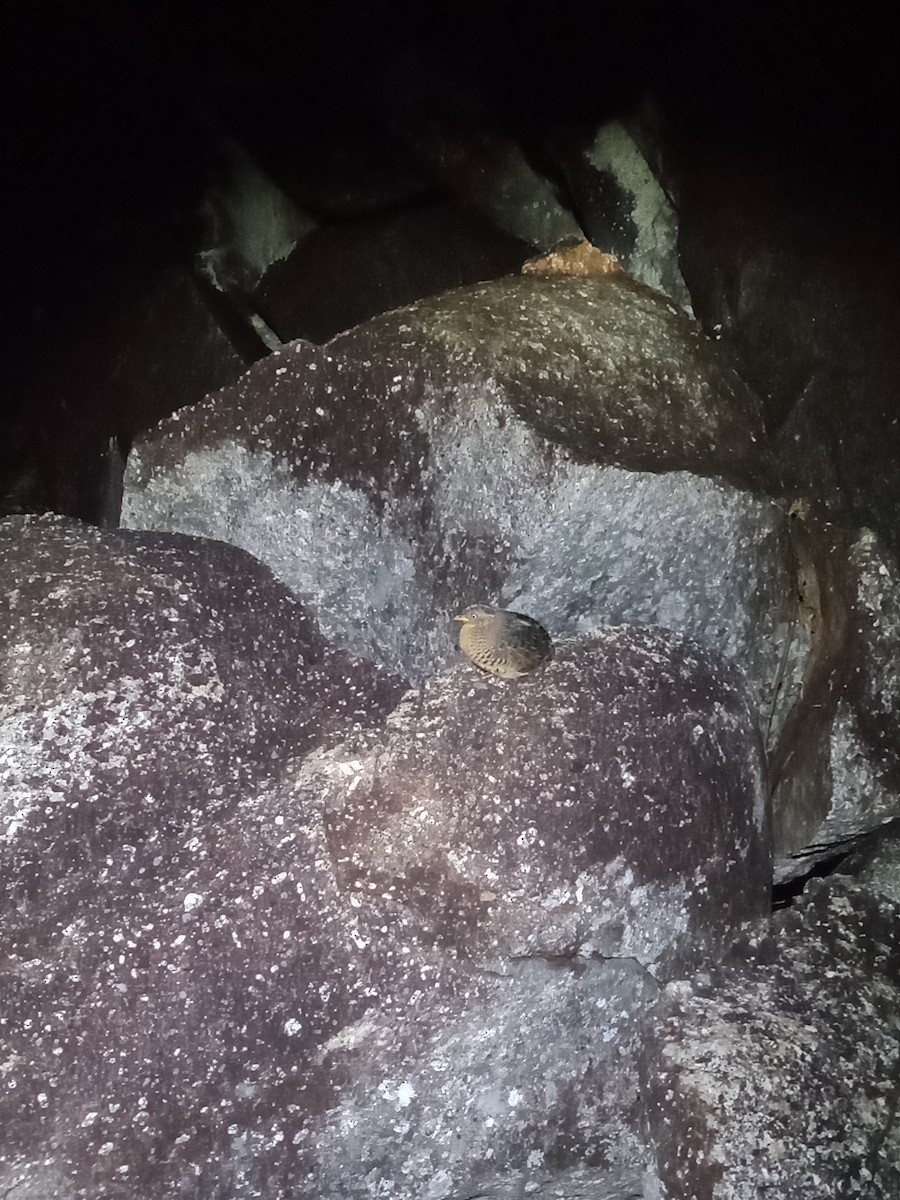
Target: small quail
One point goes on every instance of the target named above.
(503, 643)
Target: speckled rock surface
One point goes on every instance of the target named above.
(605, 366)
(486, 444)
(837, 775)
(110, 638)
(777, 1073)
(238, 962)
(614, 805)
(880, 870)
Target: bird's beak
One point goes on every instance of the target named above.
(461, 618)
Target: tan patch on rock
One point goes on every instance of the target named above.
(582, 261)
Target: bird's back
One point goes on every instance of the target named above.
(507, 644)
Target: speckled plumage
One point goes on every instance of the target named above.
(503, 643)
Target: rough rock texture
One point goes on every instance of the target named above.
(238, 962)
(777, 1072)
(352, 470)
(606, 367)
(108, 637)
(879, 868)
(835, 772)
(600, 808)
(159, 1033)
(531, 440)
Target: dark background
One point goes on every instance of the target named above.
(106, 151)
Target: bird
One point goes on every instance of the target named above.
(503, 643)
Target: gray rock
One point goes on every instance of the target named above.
(239, 962)
(836, 772)
(109, 640)
(776, 1072)
(880, 870)
(573, 446)
(613, 805)
(625, 211)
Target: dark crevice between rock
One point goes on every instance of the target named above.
(784, 894)
(848, 858)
